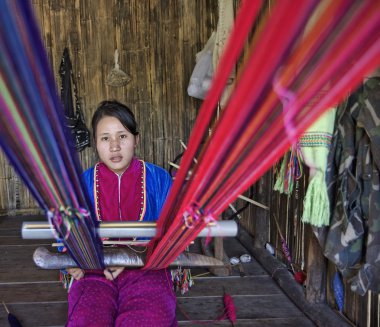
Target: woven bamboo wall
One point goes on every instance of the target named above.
(157, 42)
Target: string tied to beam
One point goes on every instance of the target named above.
(62, 219)
(57, 221)
(192, 216)
(66, 221)
(209, 219)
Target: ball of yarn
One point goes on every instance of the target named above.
(245, 258)
(269, 247)
(234, 261)
(300, 277)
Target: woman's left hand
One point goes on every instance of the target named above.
(111, 273)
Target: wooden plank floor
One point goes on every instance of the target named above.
(37, 298)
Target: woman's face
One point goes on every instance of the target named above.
(115, 144)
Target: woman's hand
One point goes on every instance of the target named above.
(111, 273)
(77, 273)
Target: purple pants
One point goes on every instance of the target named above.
(136, 298)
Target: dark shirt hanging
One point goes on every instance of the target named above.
(352, 241)
(74, 116)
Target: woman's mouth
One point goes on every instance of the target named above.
(116, 159)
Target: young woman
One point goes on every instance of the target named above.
(122, 187)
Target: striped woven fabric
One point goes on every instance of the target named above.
(281, 89)
(33, 137)
(315, 139)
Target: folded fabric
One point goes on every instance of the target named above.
(315, 145)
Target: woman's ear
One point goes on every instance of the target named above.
(137, 140)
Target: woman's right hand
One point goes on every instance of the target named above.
(77, 273)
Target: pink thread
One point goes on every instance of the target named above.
(57, 218)
(191, 215)
(209, 219)
(287, 98)
(84, 212)
(229, 307)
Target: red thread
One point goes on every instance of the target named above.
(229, 311)
(300, 277)
(229, 307)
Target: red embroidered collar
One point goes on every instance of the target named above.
(120, 197)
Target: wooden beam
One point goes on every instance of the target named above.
(208, 251)
(316, 271)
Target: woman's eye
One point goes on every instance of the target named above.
(123, 136)
(104, 138)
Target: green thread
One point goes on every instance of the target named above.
(316, 203)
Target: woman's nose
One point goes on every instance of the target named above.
(114, 145)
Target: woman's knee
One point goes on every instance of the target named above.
(91, 303)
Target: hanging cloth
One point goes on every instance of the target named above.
(315, 145)
(207, 59)
(74, 116)
(225, 24)
(200, 79)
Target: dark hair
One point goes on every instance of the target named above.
(114, 109)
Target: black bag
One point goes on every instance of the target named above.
(74, 117)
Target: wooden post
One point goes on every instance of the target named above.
(218, 248)
(316, 271)
(217, 253)
(262, 215)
